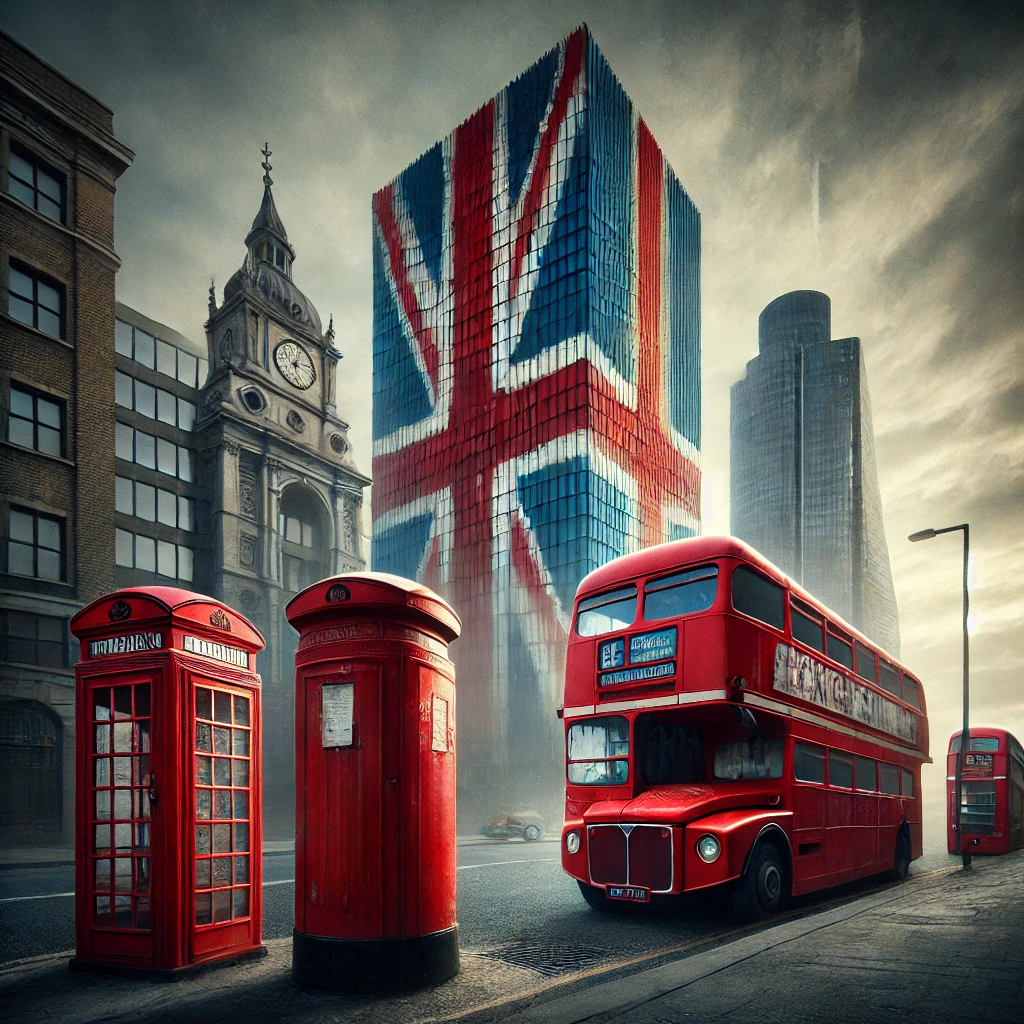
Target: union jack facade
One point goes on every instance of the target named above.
(536, 384)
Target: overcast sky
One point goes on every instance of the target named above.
(915, 111)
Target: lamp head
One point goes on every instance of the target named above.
(922, 535)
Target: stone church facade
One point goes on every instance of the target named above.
(275, 455)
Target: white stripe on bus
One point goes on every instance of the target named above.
(691, 697)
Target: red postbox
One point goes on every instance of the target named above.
(168, 835)
(375, 785)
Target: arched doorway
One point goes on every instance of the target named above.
(31, 741)
(305, 538)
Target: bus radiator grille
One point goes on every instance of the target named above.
(646, 849)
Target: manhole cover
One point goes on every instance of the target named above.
(548, 960)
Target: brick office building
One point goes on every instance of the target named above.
(59, 161)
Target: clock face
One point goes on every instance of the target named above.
(296, 367)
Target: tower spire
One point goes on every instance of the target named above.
(266, 151)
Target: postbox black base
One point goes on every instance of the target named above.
(374, 965)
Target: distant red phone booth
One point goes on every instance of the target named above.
(375, 785)
(168, 832)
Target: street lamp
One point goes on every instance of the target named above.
(965, 736)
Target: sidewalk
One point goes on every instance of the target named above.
(945, 946)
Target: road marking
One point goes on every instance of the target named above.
(45, 896)
(502, 863)
(289, 881)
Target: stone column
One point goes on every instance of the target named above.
(271, 478)
(338, 499)
(227, 531)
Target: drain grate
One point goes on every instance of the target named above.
(548, 960)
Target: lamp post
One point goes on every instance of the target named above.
(965, 735)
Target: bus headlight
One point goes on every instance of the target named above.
(572, 842)
(708, 849)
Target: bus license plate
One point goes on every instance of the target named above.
(629, 892)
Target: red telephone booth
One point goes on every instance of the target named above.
(375, 785)
(168, 833)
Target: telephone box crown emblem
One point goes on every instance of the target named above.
(119, 610)
(219, 619)
(338, 592)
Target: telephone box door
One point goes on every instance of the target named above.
(120, 804)
(223, 906)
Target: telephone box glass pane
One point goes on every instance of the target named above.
(103, 803)
(101, 838)
(122, 771)
(204, 703)
(221, 838)
(241, 711)
(222, 772)
(102, 739)
(241, 869)
(241, 742)
(122, 737)
(241, 805)
(202, 838)
(222, 706)
(204, 805)
(241, 897)
(122, 803)
(240, 772)
(101, 705)
(122, 911)
(222, 905)
(241, 838)
(222, 741)
(204, 908)
(202, 873)
(222, 804)
(102, 874)
(123, 838)
(101, 771)
(103, 910)
(203, 777)
(142, 701)
(142, 912)
(221, 870)
(204, 737)
(122, 702)
(123, 874)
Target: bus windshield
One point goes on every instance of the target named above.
(606, 612)
(598, 751)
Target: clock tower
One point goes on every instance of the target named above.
(287, 497)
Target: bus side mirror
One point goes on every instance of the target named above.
(560, 710)
(748, 721)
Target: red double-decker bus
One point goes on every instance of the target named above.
(992, 803)
(724, 728)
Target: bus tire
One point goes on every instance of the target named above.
(596, 898)
(761, 892)
(901, 858)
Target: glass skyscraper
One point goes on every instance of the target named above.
(804, 485)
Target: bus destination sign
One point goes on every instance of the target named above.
(637, 675)
(802, 676)
(655, 646)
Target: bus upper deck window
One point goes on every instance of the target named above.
(682, 593)
(888, 677)
(840, 649)
(910, 694)
(758, 597)
(597, 749)
(606, 612)
(807, 625)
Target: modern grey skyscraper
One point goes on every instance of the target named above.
(803, 477)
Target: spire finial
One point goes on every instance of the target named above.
(330, 330)
(266, 164)
(213, 296)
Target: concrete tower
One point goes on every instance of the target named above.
(804, 483)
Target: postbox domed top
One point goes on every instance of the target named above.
(121, 611)
(367, 594)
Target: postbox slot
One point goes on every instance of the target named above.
(120, 862)
(221, 783)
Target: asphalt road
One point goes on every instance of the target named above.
(515, 904)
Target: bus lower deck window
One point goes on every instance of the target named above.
(908, 783)
(889, 778)
(591, 747)
(808, 763)
(840, 769)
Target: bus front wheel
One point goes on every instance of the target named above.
(761, 892)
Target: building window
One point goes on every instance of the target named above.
(36, 422)
(153, 403)
(34, 639)
(134, 498)
(35, 545)
(295, 531)
(152, 452)
(36, 300)
(136, 551)
(36, 183)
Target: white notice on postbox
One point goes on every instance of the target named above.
(336, 700)
(440, 730)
